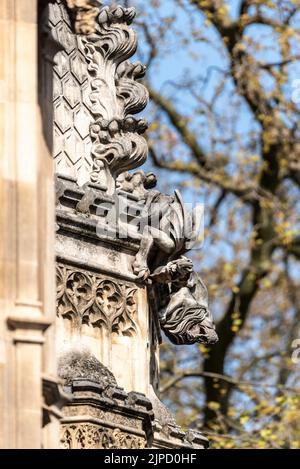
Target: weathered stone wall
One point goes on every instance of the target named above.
(27, 240)
(101, 306)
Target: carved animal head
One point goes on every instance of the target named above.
(204, 331)
(187, 318)
(186, 326)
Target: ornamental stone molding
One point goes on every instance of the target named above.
(102, 415)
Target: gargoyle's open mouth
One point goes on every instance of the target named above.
(205, 335)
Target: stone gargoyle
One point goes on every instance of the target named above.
(170, 230)
(186, 319)
(165, 222)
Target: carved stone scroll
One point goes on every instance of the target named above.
(115, 94)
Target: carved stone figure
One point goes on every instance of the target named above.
(170, 227)
(186, 319)
(171, 230)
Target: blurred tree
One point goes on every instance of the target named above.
(224, 79)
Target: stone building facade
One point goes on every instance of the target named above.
(79, 355)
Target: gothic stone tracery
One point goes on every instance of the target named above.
(86, 298)
(89, 436)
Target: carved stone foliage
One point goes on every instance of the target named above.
(96, 91)
(86, 298)
(90, 436)
(116, 136)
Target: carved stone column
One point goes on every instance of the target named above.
(94, 138)
(120, 280)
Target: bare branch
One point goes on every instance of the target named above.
(228, 379)
(294, 247)
(180, 124)
(246, 192)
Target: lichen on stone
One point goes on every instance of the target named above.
(75, 364)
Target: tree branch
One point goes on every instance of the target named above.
(180, 124)
(294, 247)
(246, 192)
(228, 379)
